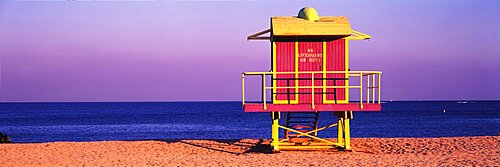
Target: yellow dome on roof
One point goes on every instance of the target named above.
(309, 14)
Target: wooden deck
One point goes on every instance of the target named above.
(259, 107)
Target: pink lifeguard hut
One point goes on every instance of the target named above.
(310, 74)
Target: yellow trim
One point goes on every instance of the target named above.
(325, 66)
(243, 89)
(346, 69)
(264, 96)
(378, 91)
(294, 147)
(274, 70)
(373, 88)
(312, 92)
(324, 72)
(346, 75)
(296, 73)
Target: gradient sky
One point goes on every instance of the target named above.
(190, 51)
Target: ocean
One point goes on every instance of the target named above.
(48, 122)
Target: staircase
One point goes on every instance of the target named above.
(303, 122)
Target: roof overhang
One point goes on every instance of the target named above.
(355, 35)
(258, 36)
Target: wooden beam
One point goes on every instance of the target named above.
(257, 36)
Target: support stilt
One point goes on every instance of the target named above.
(347, 133)
(343, 129)
(340, 130)
(316, 123)
(315, 142)
(275, 131)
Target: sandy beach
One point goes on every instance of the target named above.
(483, 151)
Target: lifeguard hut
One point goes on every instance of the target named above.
(310, 74)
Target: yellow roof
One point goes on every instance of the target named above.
(324, 26)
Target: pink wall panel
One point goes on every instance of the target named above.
(335, 60)
(285, 62)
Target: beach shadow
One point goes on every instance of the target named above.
(260, 147)
(231, 146)
(210, 147)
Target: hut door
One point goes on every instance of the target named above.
(310, 58)
(336, 61)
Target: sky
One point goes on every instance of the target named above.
(73, 51)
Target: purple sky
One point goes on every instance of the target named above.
(189, 51)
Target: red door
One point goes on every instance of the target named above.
(336, 61)
(310, 58)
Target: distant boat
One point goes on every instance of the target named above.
(462, 102)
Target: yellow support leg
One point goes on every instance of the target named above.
(316, 124)
(343, 130)
(340, 131)
(275, 131)
(347, 134)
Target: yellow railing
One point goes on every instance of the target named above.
(372, 87)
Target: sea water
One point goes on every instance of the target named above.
(46, 122)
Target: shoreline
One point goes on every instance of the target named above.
(477, 150)
(234, 140)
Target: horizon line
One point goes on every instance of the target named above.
(195, 101)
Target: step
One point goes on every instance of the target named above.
(302, 117)
(301, 122)
(300, 127)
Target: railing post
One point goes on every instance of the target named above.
(312, 92)
(379, 87)
(373, 88)
(367, 89)
(264, 90)
(361, 90)
(243, 89)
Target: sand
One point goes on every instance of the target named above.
(455, 151)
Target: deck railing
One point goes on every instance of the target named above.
(372, 85)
